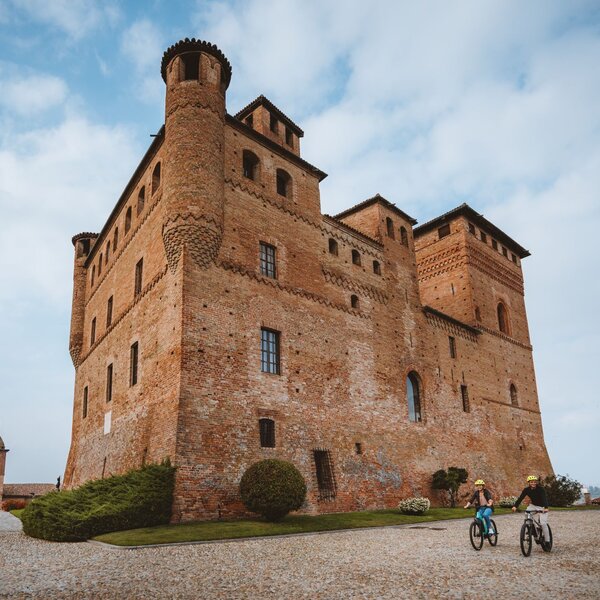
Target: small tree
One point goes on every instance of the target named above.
(561, 490)
(450, 481)
(272, 488)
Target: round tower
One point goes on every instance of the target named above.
(83, 243)
(197, 75)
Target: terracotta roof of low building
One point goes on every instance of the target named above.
(478, 219)
(27, 489)
(376, 198)
(262, 100)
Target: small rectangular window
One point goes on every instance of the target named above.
(513, 257)
(109, 311)
(452, 343)
(289, 138)
(139, 268)
(250, 120)
(504, 252)
(358, 448)
(444, 231)
(85, 401)
(133, 364)
(273, 123)
(465, 398)
(472, 228)
(267, 433)
(93, 332)
(268, 267)
(325, 477)
(494, 244)
(109, 382)
(191, 65)
(269, 351)
(483, 237)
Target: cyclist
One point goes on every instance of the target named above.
(538, 500)
(482, 499)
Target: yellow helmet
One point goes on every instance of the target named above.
(480, 482)
(532, 478)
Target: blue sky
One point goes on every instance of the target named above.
(431, 104)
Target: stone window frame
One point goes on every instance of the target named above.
(267, 432)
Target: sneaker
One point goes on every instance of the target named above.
(492, 532)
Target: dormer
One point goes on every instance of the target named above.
(265, 118)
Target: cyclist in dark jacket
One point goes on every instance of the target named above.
(482, 499)
(538, 500)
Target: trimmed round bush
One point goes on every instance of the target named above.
(507, 501)
(414, 506)
(272, 488)
(140, 498)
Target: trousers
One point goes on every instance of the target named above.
(542, 519)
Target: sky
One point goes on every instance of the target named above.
(431, 104)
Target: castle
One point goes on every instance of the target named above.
(219, 318)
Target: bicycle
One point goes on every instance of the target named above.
(532, 530)
(477, 535)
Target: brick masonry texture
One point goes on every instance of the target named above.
(197, 321)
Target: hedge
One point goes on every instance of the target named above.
(140, 498)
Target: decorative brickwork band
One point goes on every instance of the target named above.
(366, 290)
(200, 235)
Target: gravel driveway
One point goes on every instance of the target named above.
(398, 562)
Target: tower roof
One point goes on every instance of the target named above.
(194, 45)
(373, 200)
(263, 101)
(464, 210)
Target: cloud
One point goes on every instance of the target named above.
(77, 18)
(32, 95)
(143, 45)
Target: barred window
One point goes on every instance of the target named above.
(133, 364)
(464, 393)
(269, 351)
(267, 433)
(325, 476)
(139, 269)
(109, 382)
(267, 260)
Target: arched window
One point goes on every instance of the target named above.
(141, 200)
(128, 220)
(267, 433)
(156, 178)
(503, 319)
(333, 247)
(354, 301)
(477, 314)
(413, 396)
(355, 257)
(376, 267)
(93, 274)
(250, 165)
(404, 236)
(116, 238)
(100, 265)
(284, 183)
(390, 227)
(107, 255)
(514, 400)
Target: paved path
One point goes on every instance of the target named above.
(9, 522)
(392, 563)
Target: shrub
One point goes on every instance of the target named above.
(561, 490)
(13, 504)
(507, 501)
(272, 488)
(414, 506)
(140, 498)
(450, 481)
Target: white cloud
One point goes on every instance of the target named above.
(77, 18)
(33, 94)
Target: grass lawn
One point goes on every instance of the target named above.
(17, 512)
(221, 530)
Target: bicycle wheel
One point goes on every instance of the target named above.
(476, 535)
(493, 537)
(525, 539)
(547, 546)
